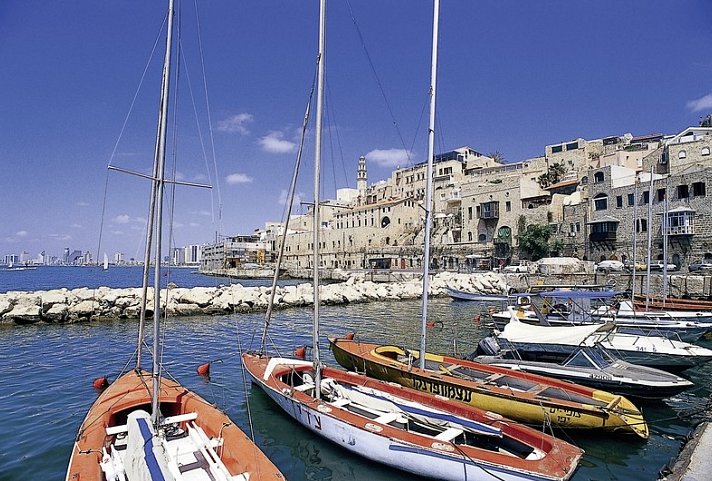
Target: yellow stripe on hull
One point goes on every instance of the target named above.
(619, 415)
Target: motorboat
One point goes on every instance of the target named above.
(588, 365)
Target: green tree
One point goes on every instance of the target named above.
(555, 173)
(534, 242)
(497, 156)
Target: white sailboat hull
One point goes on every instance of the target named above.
(443, 462)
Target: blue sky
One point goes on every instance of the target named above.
(513, 77)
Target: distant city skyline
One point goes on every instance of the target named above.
(513, 78)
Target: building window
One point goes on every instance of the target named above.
(698, 189)
(508, 206)
(642, 225)
(682, 155)
(646, 197)
(631, 199)
(469, 213)
(683, 192)
(482, 238)
(661, 195)
(578, 227)
(705, 151)
(469, 236)
(490, 210)
(584, 180)
(557, 148)
(600, 202)
(572, 146)
(619, 201)
(598, 177)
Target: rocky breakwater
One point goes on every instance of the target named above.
(78, 305)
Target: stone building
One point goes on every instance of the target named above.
(663, 198)
(595, 207)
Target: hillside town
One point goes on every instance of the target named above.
(593, 200)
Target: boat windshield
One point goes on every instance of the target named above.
(590, 357)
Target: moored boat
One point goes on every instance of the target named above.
(556, 343)
(198, 437)
(517, 395)
(410, 430)
(144, 426)
(591, 366)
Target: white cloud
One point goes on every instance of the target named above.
(21, 233)
(389, 157)
(275, 143)
(82, 204)
(76, 226)
(233, 179)
(703, 103)
(60, 237)
(298, 198)
(236, 124)
(122, 219)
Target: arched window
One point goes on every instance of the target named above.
(385, 221)
(682, 154)
(598, 177)
(705, 151)
(482, 237)
(600, 202)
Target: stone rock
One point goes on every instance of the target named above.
(24, 313)
(56, 313)
(86, 308)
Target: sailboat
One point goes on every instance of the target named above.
(402, 428)
(520, 396)
(144, 426)
(105, 265)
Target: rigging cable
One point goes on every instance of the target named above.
(378, 81)
(287, 215)
(121, 133)
(210, 126)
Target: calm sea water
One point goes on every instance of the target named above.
(47, 371)
(54, 277)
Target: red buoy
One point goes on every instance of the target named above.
(349, 336)
(204, 369)
(100, 382)
(301, 352)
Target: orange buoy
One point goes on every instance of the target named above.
(349, 336)
(204, 369)
(301, 352)
(100, 382)
(434, 323)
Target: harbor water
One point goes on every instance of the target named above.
(48, 370)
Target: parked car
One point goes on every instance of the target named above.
(700, 265)
(609, 266)
(517, 267)
(660, 265)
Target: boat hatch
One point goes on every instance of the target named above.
(556, 393)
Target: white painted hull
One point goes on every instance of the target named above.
(433, 463)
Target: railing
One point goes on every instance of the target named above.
(681, 230)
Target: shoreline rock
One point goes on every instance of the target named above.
(84, 304)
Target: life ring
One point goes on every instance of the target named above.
(611, 282)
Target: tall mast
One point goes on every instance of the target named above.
(159, 168)
(664, 226)
(650, 238)
(429, 180)
(317, 208)
(635, 239)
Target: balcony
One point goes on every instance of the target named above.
(681, 221)
(489, 210)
